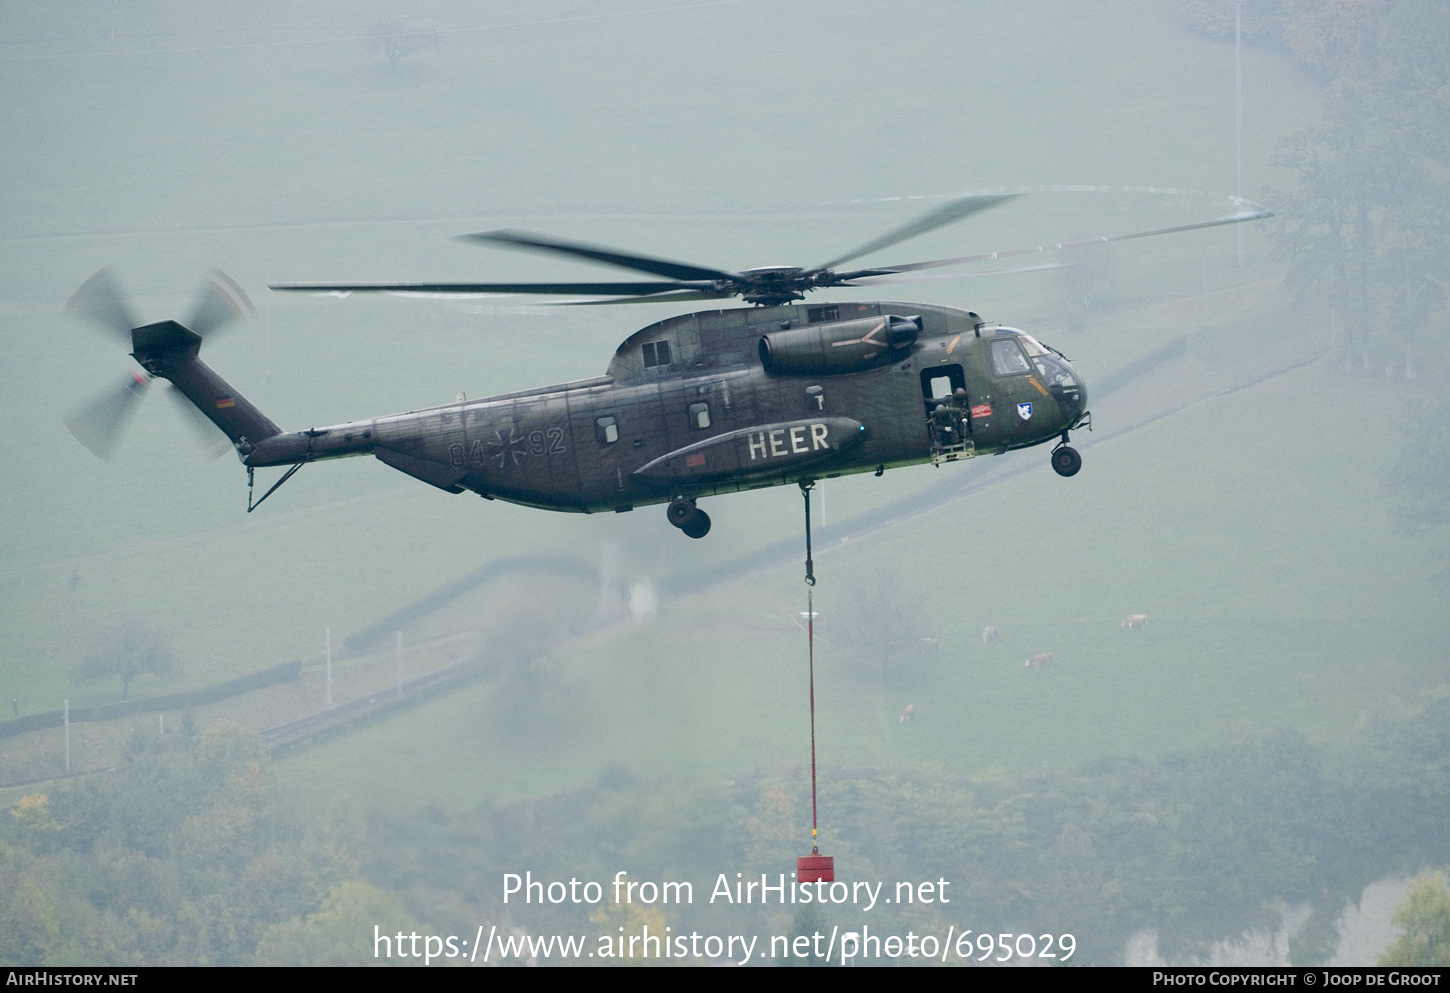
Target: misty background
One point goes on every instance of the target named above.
(1265, 480)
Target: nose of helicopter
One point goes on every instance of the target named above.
(1065, 384)
(1078, 407)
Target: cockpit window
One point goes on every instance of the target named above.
(1061, 380)
(1033, 346)
(1007, 358)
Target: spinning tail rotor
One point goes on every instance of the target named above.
(167, 349)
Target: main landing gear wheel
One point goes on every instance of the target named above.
(1066, 461)
(690, 519)
(699, 525)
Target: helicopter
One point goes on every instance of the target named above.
(699, 405)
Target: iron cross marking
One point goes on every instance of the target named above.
(515, 447)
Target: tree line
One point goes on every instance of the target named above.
(1364, 231)
(187, 854)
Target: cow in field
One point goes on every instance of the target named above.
(989, 634)
(908, 713)
(1135, 622)
(1041, 661)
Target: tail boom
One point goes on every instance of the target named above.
(170, 350)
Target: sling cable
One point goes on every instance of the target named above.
(814, 867)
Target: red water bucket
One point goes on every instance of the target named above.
(815, 869)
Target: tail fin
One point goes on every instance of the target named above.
(170, 350)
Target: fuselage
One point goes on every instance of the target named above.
(699, 405)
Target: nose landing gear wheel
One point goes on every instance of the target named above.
(1066, 461)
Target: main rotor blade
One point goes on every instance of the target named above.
(100, 300)
(598, 253)
(1257, 213)
(98, 425)
(934, 276)
(953, 211)
(681, 296)
(1254, 214)
(565, 289)
(220, 302)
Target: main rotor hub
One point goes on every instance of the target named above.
(771, 285)
(767, 271)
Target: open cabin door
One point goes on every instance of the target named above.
(948, 413)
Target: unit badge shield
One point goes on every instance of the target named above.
(1024, 410)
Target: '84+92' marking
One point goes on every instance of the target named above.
(509, 451)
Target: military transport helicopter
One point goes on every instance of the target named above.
(697, 405)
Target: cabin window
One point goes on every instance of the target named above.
(656, 353)
(606, 430)
(699, 416)
(941, 382)
(1007, 358)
